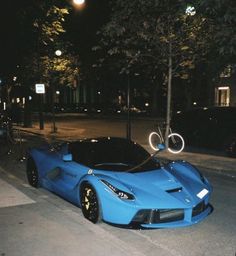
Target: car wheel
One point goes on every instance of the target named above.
(89, 203)
(32, 173)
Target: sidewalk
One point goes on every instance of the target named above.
(220, 164)
(36, 222)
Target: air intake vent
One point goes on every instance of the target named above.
(174, 190)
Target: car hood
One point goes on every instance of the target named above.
(164, 187)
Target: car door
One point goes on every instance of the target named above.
(64, 179)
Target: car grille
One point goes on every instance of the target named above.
(158, 216)
(199, 208)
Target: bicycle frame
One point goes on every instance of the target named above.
(161, 133)
(176, 140)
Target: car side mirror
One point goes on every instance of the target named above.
(67, 157)
(161, 146)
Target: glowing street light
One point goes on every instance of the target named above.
(75, 5)
(78, 2)
(58, 53)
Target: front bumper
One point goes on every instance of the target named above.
(164, 218)
(127, 215)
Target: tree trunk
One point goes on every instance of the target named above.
(188, 96)
(168, 112)
(54, 128)
(155, 88)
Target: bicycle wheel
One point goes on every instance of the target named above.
(176, 143)
(154, 139)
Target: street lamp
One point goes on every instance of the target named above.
(78, 2)
(58, 53)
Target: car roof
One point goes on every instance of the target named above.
(91, 152)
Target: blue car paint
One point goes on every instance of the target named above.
(156, 193)
(148, 188)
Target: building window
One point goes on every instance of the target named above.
(227, 72)
(222, 96)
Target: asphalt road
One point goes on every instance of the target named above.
(37, 222)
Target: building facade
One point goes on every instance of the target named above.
(225, 88)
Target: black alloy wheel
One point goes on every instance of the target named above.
(89, 203)
(32, 173)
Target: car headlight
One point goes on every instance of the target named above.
(121, 194)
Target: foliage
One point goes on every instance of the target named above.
(139, 34)
(221, 16)
(157, 38)
(61, 70)
(50, 24)
(41, 63)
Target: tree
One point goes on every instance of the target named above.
(220, 45)
(156, 37)
(48, 26)
(66, 66)
(46, 20)
(221, 16)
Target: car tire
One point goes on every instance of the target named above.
(32, 173)
(90, 203)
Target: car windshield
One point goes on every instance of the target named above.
(113, 154)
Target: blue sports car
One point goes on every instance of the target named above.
(118, 181)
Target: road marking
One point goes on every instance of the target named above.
(10, 196)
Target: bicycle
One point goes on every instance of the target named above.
(175, 141)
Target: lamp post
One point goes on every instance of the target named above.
(128, 124)
(58, 53)
(40, 90)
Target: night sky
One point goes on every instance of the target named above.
(11, 41)
(15, 36)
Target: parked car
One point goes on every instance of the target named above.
(213, 127)
(118, 181)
